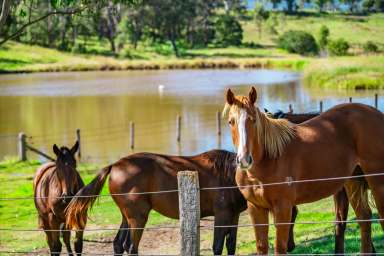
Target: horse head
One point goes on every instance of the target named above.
(66, 169)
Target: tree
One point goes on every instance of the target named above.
(228, 31)
(320, 4)
(323, 37)
(260, 15)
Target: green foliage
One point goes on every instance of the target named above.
(228, 31)
(323, 37)
(338, 47)
(260, 15)
(301, 42)
(370, 47)
(368, 5)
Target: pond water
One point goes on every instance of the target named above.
(49, 107)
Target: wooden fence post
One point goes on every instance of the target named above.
(189, 208)
(350, 99)
(218, 123)
(178, 128)
(290, 109)
(376, 101)
(79, 141)
(132, 134)
(22, 147)
(321, 106)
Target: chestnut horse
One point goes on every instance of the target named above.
(53, 185)
(146, 172)
(357, 189)
(327, 146)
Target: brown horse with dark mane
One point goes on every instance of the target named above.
(146, 172)
(357, 189)
(54, 184)
(330, 145)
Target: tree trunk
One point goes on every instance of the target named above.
(290, 5)
(173, 42)
(5, 9)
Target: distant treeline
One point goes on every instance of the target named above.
(70, 25)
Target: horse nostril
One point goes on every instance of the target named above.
(249, 159)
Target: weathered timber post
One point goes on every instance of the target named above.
(321, 106)
(189, 208)
(218, 123)
(22, 147)
(132, 134)
(350, 99)
(78, 140)
(178, 128)
(376, 101)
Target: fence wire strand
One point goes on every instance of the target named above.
(289, 182)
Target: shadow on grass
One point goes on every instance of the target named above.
(13, 61)
(228, 55)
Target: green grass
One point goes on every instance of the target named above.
(355, 29)
(361, 72)
(16, 179)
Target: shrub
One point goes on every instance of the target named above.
(338, 47)
(323, 39)
(228, 31)
(300, 42)
(370, 47)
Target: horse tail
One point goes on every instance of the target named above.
(76, 211)
(360, 194)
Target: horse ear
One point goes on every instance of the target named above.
(56, 150)
(75, 148)
(253, 95)
(230, 97)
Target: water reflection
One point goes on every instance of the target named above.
(50, 107)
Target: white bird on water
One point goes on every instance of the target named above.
(161, 88)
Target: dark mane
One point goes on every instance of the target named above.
(224, 163)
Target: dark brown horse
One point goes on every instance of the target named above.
(54, 184)
(353, 186)
(328, 146)
(146, 172)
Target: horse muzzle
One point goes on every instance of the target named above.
(244, 162)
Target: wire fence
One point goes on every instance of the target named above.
(298, 254)
(289, 181)
(201, 226)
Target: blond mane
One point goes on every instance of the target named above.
(273, 134)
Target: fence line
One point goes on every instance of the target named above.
(271, 254)
(289, 182)
(202, 226)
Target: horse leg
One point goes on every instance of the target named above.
(136, 213)
(282, 213)
(222, 218)
(79, 242)
(291, 239)
(120, 237)
(358, 197)
(232, 236)
(55, 244)
(259, 215)
(341, 209)
(67, 240)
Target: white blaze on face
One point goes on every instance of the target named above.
(241, 150)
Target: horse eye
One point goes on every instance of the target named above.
(231, 122)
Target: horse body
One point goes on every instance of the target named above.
(146, 172)
(52, 183)
(329, 145)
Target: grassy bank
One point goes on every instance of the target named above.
(16, 179)
(362, 72)
(16, 57)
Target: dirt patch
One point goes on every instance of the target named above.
(153, 242)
